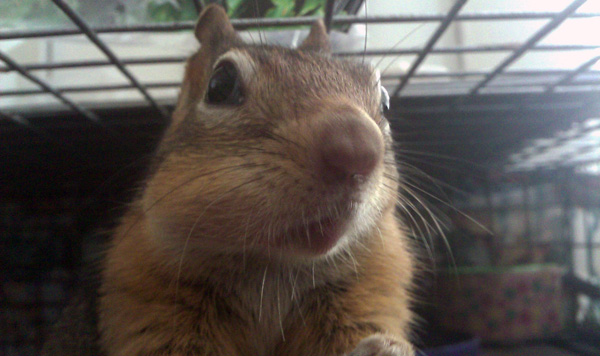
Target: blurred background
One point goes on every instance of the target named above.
(495, 105)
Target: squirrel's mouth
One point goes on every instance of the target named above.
(320, 236)
(309, 239)
(312, 231)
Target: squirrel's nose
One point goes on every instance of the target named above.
(348, 147)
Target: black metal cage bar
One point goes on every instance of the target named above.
(97, 63)
(328, 14)
(85, 28)
(570, 76)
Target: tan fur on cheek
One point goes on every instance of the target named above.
(179, 201)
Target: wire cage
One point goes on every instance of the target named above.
(492, 131)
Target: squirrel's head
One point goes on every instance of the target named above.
(272, 151)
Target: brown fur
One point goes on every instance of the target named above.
(200, 264)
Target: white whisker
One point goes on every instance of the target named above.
(262, 293)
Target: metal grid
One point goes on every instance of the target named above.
(477, 87)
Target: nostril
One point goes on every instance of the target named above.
(358, 178)
(349, 149)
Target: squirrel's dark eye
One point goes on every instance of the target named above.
(385, 100)
(224, 87)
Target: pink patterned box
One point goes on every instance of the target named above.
(502, 305)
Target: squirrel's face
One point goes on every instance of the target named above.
(272, 151)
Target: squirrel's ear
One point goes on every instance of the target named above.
(318, 39)
(214, 30)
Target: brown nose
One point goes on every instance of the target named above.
(348, 147)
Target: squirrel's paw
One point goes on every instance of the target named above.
(382, 345)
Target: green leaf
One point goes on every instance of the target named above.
(188, 11)
(163, 12)
(273, 12)
(320, 12)
(282, 3)
(310, 6)
(172, 3)
(234, 7)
